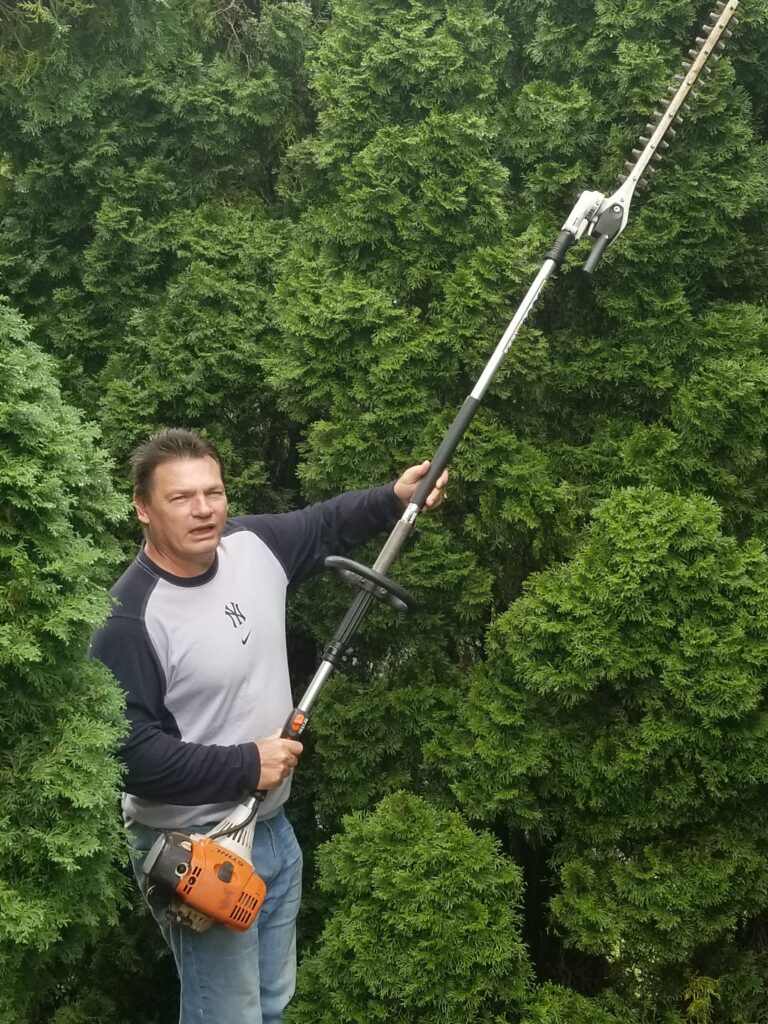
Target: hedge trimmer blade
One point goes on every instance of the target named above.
(709, 46)
(609, 219)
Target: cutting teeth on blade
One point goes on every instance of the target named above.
(659, 130)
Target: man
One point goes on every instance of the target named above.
(197, 640)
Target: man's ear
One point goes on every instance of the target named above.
(141, 510)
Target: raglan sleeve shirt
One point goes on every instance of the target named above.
(161, 764)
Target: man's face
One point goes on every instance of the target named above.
(184, 514)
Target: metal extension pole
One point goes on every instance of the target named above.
(403, 527)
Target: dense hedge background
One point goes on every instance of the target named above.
(302, 227)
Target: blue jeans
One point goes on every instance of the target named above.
(230, 977)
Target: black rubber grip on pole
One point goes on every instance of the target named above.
(559, 250)
(597, 254)
(339, 642)
(442, 456)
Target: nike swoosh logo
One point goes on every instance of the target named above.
(246, 639)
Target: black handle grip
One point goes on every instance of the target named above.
(597, 254)
(442, 456)
(295, 724)
(559, 250)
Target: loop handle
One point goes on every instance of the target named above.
(381, 587)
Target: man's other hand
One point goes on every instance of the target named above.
(409, 481)
(278, 759)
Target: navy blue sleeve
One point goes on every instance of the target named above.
(300, 540)
(159, 765)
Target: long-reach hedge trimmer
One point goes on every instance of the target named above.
(206, 879)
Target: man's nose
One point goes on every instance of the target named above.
(201, 506)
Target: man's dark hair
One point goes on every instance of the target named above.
(173, 443)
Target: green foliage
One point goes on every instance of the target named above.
(622, 712)
(399, 184)
(423, 925)
(191, 353)
(365, 756)
(556, 1005)
(382, 298)
(122, 974)
(741, 986)
(118, 124)
(62, 715)
(712, 437)
(303, 228)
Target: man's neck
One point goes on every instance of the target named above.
(184, 568)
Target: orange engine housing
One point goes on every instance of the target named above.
(205, 876)
(221, 885)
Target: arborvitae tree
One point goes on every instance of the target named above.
(140, 149)
(122, 975)
(398, 281)
(621, 721)
(452, 140)
(553, 1004)
(424, 924)
(62, 715)
(191, 353)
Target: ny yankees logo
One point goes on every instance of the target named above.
(236, 617)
